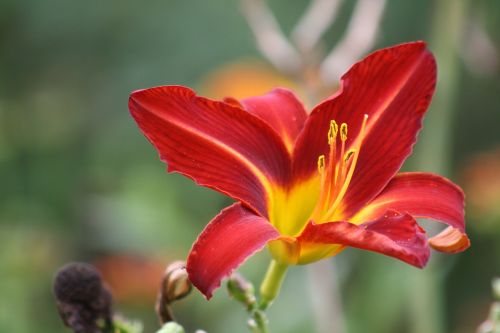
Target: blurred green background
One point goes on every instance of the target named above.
(78, 181)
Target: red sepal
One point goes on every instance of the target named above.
(227, 241)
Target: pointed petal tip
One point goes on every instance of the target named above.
(192, 275)
(417, 43)
(450, 240)
(140, 96)
(422, 262)
(174, 87)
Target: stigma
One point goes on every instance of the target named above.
(336, 169)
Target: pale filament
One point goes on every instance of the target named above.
(336, 171)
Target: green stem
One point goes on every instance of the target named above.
(258, 323)
(271, 284)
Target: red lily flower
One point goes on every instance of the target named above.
(309, 185)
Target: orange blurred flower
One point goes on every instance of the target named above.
(242, 79)
(132, 279)
(481, 180)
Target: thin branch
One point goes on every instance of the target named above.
(318, 17)
(271, 41)
(358, 39)
(325, 294)
(479, 51)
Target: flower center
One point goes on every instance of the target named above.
(336, 170)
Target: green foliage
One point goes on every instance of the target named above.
(79, 182)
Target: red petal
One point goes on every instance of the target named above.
(419, 194)
(218, 145)
(395, 235)
(393, 87)
(281, 110)
(450, 240)
(230, 238)
(428, 196)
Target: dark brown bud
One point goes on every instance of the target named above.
(83, 302)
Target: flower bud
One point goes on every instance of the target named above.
(175, 285)
(176, 281)
(241, 290)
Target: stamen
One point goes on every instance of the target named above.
(326, 174)
(348, 155)
(355, 153)
(332, 132)
(332, 156)
(343, 132)
(336, 169)
(323, 186)
(321, 164)
(340, 167)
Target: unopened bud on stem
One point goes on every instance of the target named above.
(175, 285)
(241, 290)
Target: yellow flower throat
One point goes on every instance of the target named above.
(319, 197)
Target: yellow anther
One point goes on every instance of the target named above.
(332, 132)
(321, 163)
(343, 132)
